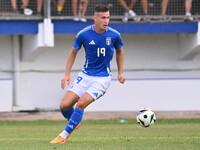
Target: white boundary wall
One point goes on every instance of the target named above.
(162, 95)
(6, 99)
(145, 57)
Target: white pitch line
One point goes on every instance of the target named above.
(104, 138)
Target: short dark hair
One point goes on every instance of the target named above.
(101, 8)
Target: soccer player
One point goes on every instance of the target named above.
(99, 42)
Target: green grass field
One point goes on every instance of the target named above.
(177, 134)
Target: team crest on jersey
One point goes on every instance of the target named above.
(108, 40)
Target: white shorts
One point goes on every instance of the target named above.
(95, 86)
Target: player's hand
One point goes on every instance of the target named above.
(121, 78)
(65, 80)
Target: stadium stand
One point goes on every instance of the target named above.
(175, 10)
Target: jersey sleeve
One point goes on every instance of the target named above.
(119, 43)
(78, 41)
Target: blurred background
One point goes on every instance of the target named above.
(69, 10)
(161, 53)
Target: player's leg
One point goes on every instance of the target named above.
(77, 116)
(75, 91)
(67, 103)
(70, 98)
(66, 107)
(88, 89)
(75, 119)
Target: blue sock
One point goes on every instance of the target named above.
(68, 113)
(74, 120)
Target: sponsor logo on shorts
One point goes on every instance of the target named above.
(95, 94)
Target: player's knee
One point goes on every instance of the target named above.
(63, 106)
(81, 105)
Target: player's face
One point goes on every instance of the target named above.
(101, 20)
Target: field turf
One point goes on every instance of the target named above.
(177, 134)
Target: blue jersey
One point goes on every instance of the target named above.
(99, 49)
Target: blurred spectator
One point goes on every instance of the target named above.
(77, 15)
(129, 11)
(14, 5)
(53, 7)
(188, 6)
(24, 5)
(39, 7)
(82, 10)
(60, 5)
(164, 7)
(144, 3)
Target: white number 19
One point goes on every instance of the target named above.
(101, 51)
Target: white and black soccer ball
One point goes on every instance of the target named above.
(146, 117)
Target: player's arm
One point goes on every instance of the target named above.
(120, 62)
(70, 62)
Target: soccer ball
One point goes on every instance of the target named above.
(146, 117)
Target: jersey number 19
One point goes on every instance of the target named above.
(101, 51)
